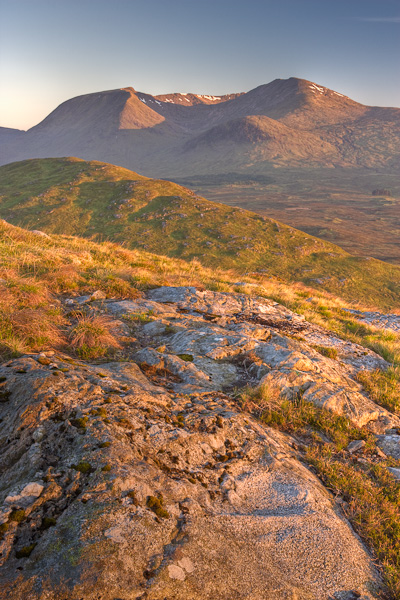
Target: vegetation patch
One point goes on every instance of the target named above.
(383, 387)
(83, 467)
(156, 505)
(327, 351)
(186, 357)
(17, 515)
(48, 522)
(57, 196)
(92, 336)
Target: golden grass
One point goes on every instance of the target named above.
(39, 269)
(93, 336)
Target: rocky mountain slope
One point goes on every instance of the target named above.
(89, 199)
(148, 479)
(167, 431)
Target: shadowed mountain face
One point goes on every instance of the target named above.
(286, 123)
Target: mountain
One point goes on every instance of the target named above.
(102, 201)
(291, 121)
(292, 149)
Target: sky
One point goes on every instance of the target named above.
(53, 50)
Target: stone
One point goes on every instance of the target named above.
(98, 295)
(40, 233)
(395, 472)
(28, 494)
(176, 572)
(186, 564)
(355, 446)
(193, 483)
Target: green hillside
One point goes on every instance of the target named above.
(101, 201)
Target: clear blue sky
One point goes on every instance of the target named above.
(52, 50)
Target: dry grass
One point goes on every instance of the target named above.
(383, 387)
(29, 318)
(93, 336)
(38, 269)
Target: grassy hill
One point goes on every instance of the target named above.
(101, 201)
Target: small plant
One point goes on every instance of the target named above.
(327, 351)
(3, 530)
(48, 522)
(105, 445)
(106, 468)
(80, 423)
(186, 357)
(169, 329)
(83, 467)
(99, 412)
(17, 515)
(156, 505)
(144, 317)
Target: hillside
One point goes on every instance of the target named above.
(166, 435)
(101, 201)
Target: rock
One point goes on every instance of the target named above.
(40, 233)
(28, 494)
(176, 572)
(97, 295)
(240, 524)
(390, 444)
(355, 446)
(43, 359)
(132, 476)
(186, 564)
(395, 472)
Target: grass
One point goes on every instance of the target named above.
(103, 202)
(370, 494)
(383, 387)
(327, 351)
(92, 336)
(35, 271)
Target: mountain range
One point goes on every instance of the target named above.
(290, 122)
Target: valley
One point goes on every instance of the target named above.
(335, 206)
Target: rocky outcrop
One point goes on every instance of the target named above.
(144, 479)
(377, 319)
(219, 341)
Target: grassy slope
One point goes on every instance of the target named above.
(92, 199)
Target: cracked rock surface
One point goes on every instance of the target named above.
(144, 480)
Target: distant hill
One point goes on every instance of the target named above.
(292, 123)
(102, 201)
